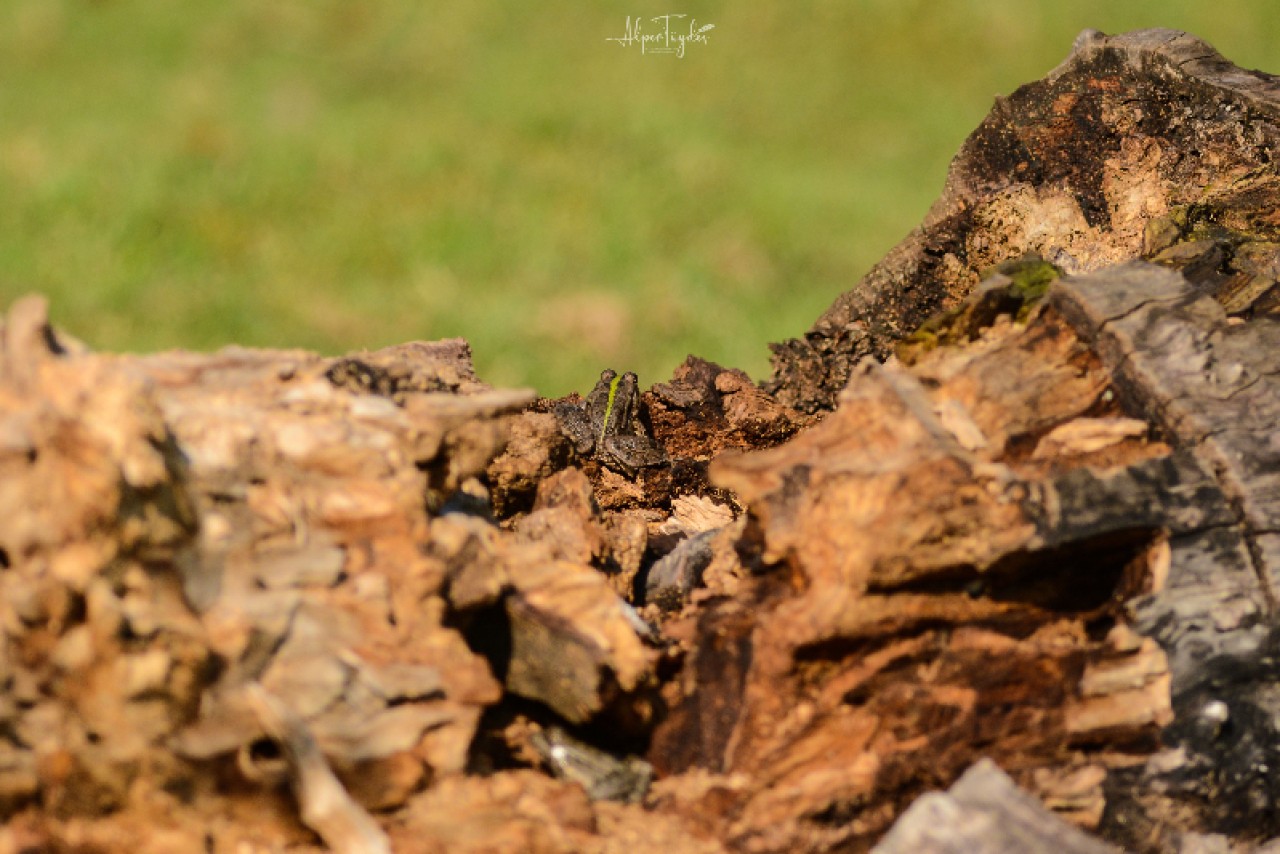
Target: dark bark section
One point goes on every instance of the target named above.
(1212, 386)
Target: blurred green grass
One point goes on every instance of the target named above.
(337, 175)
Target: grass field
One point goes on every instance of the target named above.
(339, 175)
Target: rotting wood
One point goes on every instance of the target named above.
(923, 576)
(1134, 142)
(324, 805)
(984, 813)
(1212, 385)
(1043, 533)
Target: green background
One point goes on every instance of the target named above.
(339, 175)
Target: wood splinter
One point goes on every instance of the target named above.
(324, 804)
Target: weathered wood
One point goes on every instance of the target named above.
(941, 493)
(1211, 384)
(1042, 532)
(928, 563)
(206, 555)
(324, 805)
(935, 572)
(985, 813)
(1077, 167)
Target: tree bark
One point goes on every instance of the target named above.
(1074, 167)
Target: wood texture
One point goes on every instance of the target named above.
(1076, 167)
(267, 600)
(985, 813)
(1211, 385)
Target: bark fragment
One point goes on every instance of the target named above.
(984, 812)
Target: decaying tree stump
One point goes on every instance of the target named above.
(1007, 516)
(1083, 167)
